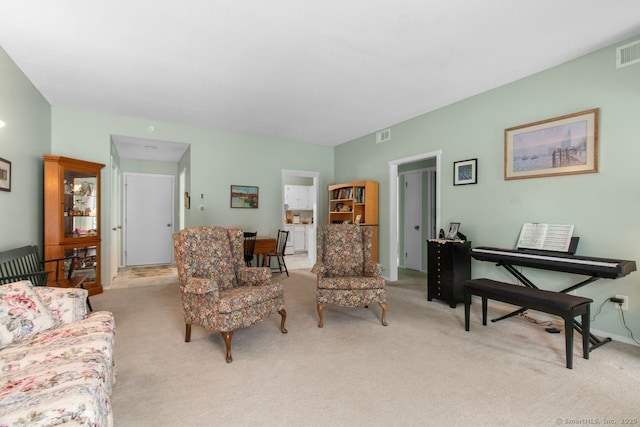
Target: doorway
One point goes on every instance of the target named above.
(394, 222)
(413, 227)
(302, 235)
(148, 219)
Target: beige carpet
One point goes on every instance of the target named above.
(421, 370)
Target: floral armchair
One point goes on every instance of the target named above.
(219, 292)
(347, 275)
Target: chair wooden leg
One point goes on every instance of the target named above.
(285, 267)
(384, 313)
(226, 336)
(187, 333)
(321, 322)
(283, 313)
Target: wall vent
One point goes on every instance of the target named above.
(628, 54)
(383, 136)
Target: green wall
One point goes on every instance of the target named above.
(214, 161)
(604, 206)
(23, 142)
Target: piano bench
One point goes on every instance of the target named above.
(557, 303)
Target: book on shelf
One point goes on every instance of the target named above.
(547, 237)
(343, 193)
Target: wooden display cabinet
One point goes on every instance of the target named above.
(72, 217)
(355, 203)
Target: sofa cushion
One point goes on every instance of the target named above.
(67, 305)
(61, 376)
(241, 297)
(22, 313)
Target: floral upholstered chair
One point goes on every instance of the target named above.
(219, 292)
(347, 275)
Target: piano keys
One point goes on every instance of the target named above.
(587, 266)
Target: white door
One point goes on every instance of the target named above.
(413, 221)
(148, 219)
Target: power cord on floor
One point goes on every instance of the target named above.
(537, 322)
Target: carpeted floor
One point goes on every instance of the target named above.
(421, 370)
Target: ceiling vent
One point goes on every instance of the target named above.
(628, 54)
(383, 136)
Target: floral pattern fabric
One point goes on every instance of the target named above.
(22, 313)
(67, 305)
(347, 276)
(63, 375)
(218, 291)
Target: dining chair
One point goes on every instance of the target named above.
(249, 247)
(281, 243)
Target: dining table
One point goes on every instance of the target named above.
(264, 245)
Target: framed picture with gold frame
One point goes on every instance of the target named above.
(562, 145)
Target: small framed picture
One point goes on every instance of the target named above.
(187, 200)
(453, 230)
(244, 196)
(5, 175)
(465, 172)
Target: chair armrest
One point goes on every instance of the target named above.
(201, 286)
(37, 278)
(371, 269)
(253, 275)
(319, 269)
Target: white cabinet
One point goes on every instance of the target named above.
(297, 197)
(289, 248)
(299, 238)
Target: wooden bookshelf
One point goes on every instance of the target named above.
(355, 203)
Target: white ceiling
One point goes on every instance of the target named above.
(324, 71)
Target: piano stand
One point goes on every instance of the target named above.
(595, 341)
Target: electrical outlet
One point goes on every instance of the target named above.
(625, 302)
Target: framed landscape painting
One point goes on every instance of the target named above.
(563, 145)
(244, 196)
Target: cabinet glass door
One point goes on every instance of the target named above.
(84, 262)
(80, 204)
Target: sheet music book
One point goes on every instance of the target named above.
(548, 237)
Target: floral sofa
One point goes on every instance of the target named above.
(56, 362)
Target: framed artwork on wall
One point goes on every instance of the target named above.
(465, 172)
(5, 175)
(564, 145)
(244, 196)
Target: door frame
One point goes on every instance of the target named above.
(393, 204)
